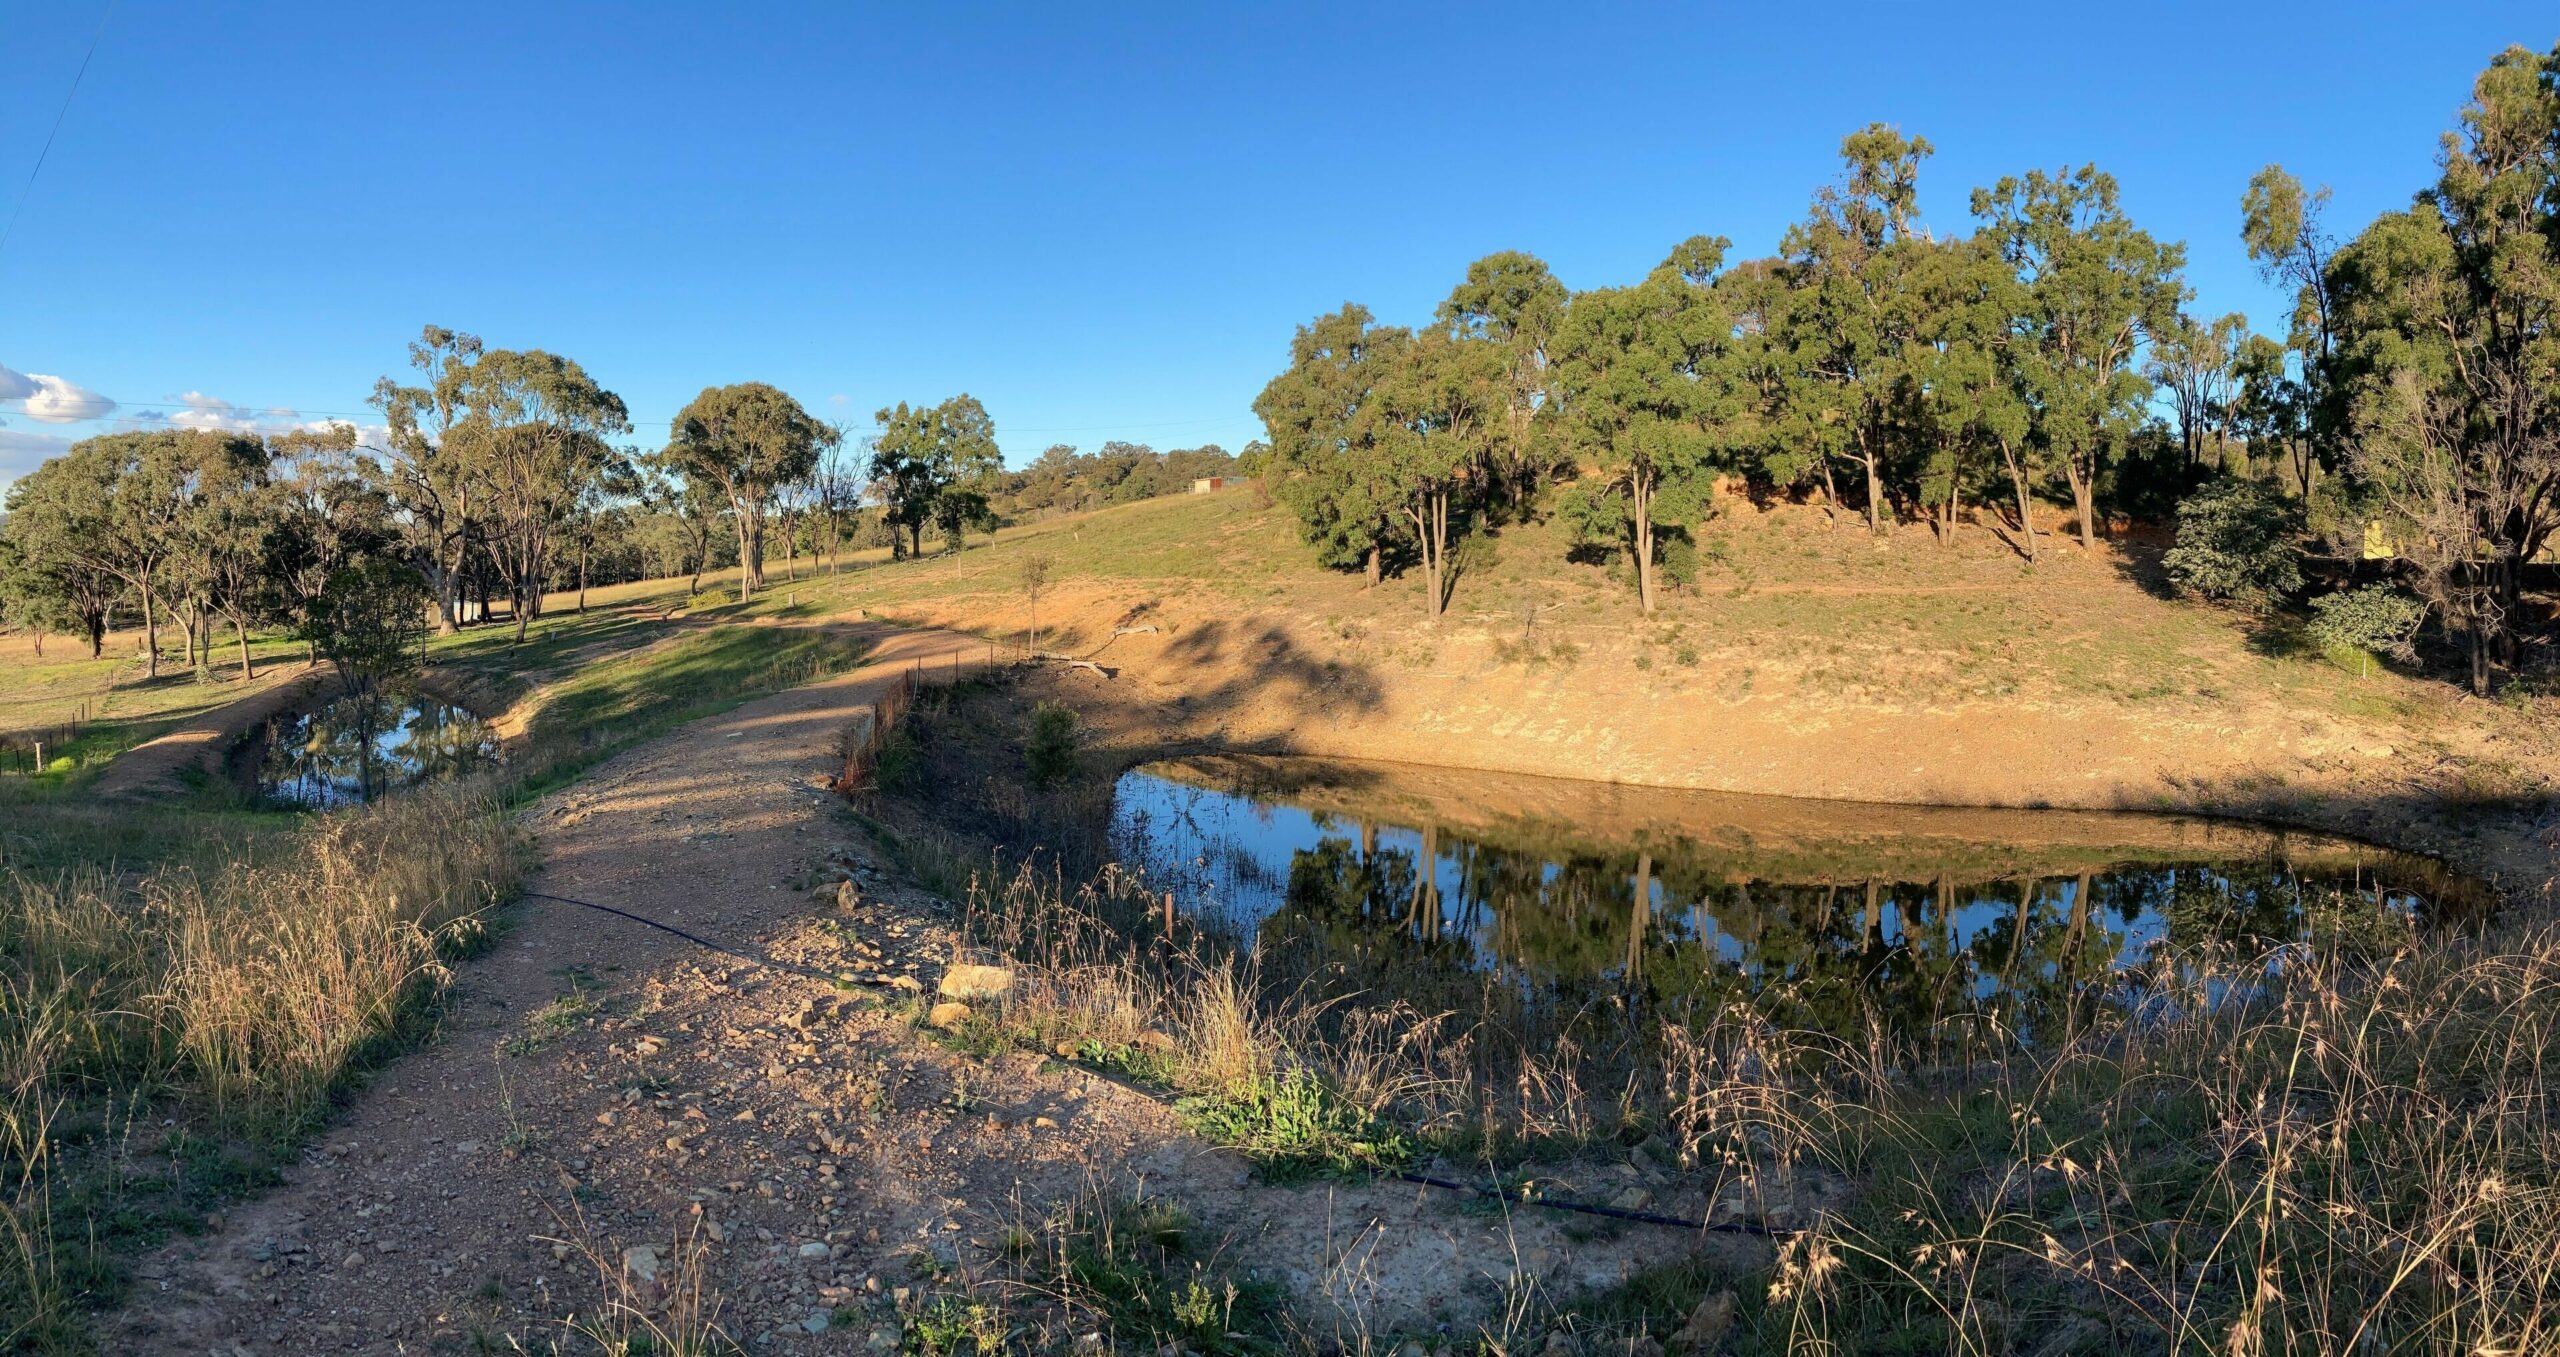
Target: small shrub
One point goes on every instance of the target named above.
(2373, 620)
(2239, 542)
(1679, 558)
(1049, 754)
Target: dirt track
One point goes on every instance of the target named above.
(810, 1140)
(149, 768)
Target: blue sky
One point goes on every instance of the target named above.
(1101, 220)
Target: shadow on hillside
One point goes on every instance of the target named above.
(1224, 664)
(2141, 558)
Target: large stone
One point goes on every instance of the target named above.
(641, 1263)
(1707, 1327)
(977, 983)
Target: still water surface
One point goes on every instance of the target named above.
(1428, 885)
(352, 749)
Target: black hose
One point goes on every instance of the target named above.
(1595, 1209)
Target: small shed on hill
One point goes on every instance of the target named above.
(1206, 484)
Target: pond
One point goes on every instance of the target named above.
(1467, 891)
(351, 749)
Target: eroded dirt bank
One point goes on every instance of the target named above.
(1188, 677)
(799, 1148)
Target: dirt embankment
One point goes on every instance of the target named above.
(1190, 675)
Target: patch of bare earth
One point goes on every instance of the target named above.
(604, 1090)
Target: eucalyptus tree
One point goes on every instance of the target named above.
(1511, 301)
(439, 489)
(1654, 398)
(540, 424)
(1325, 419)
(966, 449)
(332, 508)
(1441, 406)
(1851, 327)
(934, 464)
(835, 491)
(747, 439)
(695, 506)
(2093, 288)
(2271, 408)
(2281, 226)
(2197, 362)
(2448, 331)
(233, 527)
(54, 575)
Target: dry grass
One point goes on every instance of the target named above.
(230, 1001)
(2319, 1151)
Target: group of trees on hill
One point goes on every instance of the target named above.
(499, 478)
(1903, 374)
(1063, 480)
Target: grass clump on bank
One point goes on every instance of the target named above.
(1112, 1258)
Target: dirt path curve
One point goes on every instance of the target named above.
(151, 767)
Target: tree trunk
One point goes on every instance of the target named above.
(2480, 656)
(1439, 554)
(248, 672)
(2026, 500)
(2084, 498)
(2510, 579)
(1642, 500)
(1830, 493)
(150, 632)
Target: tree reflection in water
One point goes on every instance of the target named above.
(1552, 937)
(352, 749)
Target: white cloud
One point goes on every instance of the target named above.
(839, 400)
(213, 412)
(51, 399)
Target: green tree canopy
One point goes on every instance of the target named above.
(936, 464)
(1325, 421)
(2448, 318)
(747, 439)
(2093, 287)
(1654, 400)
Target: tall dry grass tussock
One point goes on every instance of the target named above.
(231, 1001)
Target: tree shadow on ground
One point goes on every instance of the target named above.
(1239, 662)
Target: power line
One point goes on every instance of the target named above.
(59, 115)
